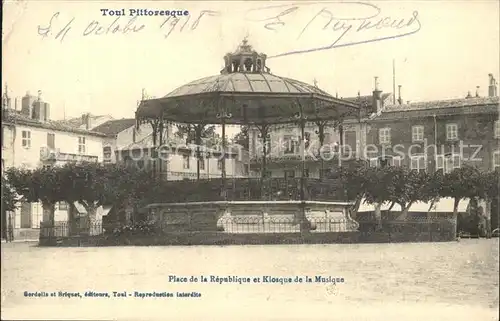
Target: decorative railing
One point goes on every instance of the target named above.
(246, 189)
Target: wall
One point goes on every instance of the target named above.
(66, 142)
(476, 131)
(15, 155)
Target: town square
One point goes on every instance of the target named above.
(322, 183)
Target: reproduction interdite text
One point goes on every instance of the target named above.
(179, 280)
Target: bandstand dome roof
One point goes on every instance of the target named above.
(246, 82)
(246, 92)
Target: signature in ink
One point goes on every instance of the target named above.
(335, 22)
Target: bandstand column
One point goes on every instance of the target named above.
(197, 132)
(160, 159)
(321, 135)
(264, 135)
(223, 116)
(154, 125)
(304, 223)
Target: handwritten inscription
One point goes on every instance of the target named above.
(59, 29)
(306, 27)
(333, 25)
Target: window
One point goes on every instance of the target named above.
(219, 164)
(202, 163)
(306, 172)
(374, 162)
(307, 139)
(396, 161)
(51, 141)
(185, 161)
(63, 206)
(496, 159)
(418, 162)
(26, 141)
(448, 162)
(417, 133)
(497, 129)
(291, 144)
(384, 135)
(106, 152)
(81, 145)
(289, 174)
(451, 131)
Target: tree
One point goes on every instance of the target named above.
(9, 203)
(242, 137)
(461, 183)
(409, 186)
(39, 185)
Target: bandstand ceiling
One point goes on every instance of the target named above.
(249, 95)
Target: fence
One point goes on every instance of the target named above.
(252, 230)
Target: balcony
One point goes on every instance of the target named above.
(54, 155)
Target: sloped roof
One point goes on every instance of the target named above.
(113, 127)
(367, 100)
(449, 103)
(16, 117)
(77, 121)
(475, 105)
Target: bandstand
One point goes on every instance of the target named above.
(247, 93)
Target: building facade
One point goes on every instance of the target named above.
(30, 139)
(437, 135)
(176, 160)
(342, 141)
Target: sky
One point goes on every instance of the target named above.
(441, 49)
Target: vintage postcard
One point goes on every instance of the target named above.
(250, 160)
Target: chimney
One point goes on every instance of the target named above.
(27, 103)
(468, 95)
(477, 91)
(86, 121)
(377, 98)
(400, 100)
(492, 88)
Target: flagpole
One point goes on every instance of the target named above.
(393, 81)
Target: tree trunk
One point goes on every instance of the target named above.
(4, 224)
(72, 224)
(455, 214)
(355, 208)
(404, 211)
(378, 215)
(433, 201)
(48, 220)
(91, 209)
(48, 214)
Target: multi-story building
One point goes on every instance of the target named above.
(436, 135)
(423, 135)
(30, 140)
(283, 153)
(176, 159)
